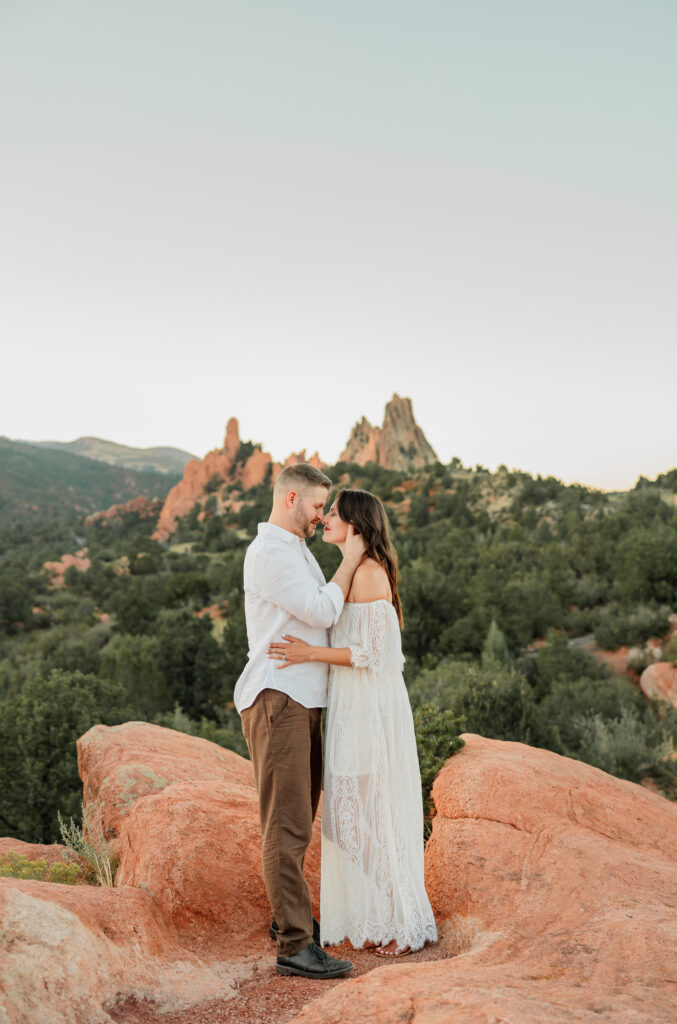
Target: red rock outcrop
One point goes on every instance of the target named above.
(144, 508)
(206, 476)
(197, 475)
(57, 569)
(188, 918)
(553, 885)
(52, 853)
(398, 444)
(660, 680)
(256, 469)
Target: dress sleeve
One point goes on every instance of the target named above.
(372, 627)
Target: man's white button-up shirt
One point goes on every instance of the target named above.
(285, 592)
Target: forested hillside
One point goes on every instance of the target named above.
(499, 573)
(40, 487)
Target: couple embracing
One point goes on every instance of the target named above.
(314, 644)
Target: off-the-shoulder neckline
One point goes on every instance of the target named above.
(363, 604)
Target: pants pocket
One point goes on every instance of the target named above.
(276, 702)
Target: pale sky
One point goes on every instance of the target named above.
(285, 212)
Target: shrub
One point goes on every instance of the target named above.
(18, 865)
(90, 844)
(437, 738)
(617, 626)
(622, 746)
(494, 700)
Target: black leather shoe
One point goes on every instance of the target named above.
(313, 962)
(274, 929)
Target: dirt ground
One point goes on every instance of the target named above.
(266, 996)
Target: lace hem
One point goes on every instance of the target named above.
(338, 930)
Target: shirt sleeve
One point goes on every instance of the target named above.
(287, 581)
(372, 626)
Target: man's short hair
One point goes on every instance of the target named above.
(300, 477)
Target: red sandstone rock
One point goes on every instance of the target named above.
(53, 853)
(71, 952)
(616, 660)
(221, 465)
(398, 444)
(212, 611)
(255, 469)
(57, 569)
(296, 457)
(231, 442)
(188, 919)
(660, 680)
(554, 886)
(144, 508)
(143, 782)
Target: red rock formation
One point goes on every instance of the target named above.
(660, 680)
(256, 469)
(57, 569)
(552, 883)
(144, 508)
(189, 916)
(52, 853)
(197, 474)
(221, 465)
(398, 444)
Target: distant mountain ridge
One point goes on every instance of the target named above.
(160, 459)
(36, 482)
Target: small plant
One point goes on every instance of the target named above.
(91, 846)
(18, 865)
(437, 738)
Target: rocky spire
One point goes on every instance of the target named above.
(398, 444)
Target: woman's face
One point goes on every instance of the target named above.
(335, 529)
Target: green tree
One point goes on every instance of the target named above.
(133, 662)
(15, 606)
(38, 763)
(495, 650)
(192, 663)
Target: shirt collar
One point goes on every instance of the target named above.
(280, 533)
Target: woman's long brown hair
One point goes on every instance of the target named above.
(367, 515)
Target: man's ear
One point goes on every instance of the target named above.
(291, 498)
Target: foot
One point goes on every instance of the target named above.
(274, 929)
(369, 945)
(313, 962)
(392, 949)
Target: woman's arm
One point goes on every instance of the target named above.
(295, 652)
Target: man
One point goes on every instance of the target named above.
(286, 593)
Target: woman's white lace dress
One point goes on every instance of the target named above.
(372, 815)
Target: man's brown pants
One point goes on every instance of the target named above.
(285, 745)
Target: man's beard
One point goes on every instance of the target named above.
(305, 526)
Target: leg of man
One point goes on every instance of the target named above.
(282, 737)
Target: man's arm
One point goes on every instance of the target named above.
(283, 579)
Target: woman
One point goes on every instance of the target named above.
(372, 819)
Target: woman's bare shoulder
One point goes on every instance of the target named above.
(370, 582)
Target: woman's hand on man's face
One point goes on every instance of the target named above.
(354, 547)
(292, 652)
